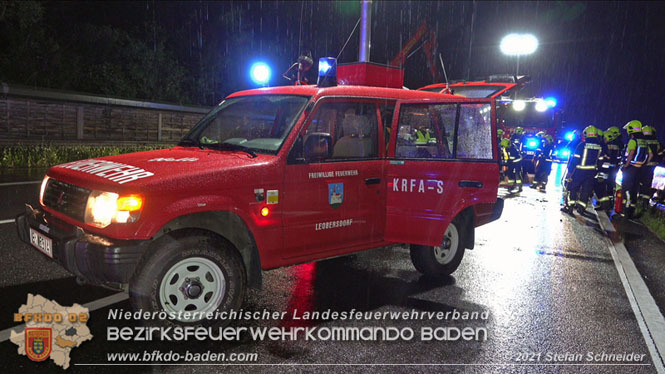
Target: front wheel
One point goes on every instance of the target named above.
(440, 260)
(188, 278)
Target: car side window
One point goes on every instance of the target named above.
(426, 131)
(474, 134)
(348, 130)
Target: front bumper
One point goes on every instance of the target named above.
(95, 259)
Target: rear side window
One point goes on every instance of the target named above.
(474, 134)
(426, 131)
(445, 131)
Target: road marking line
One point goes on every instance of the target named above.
(92, 306)
(19, 183)
(6, 221)
(649, 317)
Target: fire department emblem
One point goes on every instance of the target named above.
(38, 343)
(335, 194)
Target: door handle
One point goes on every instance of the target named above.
(471, 184)
(369, 181)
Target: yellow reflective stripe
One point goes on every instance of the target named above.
(584, 156)
(586, 167)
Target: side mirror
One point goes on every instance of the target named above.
(317, 146)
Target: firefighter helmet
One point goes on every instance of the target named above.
(633, 127)
(591, 132)
(648, 130)
(519, 130)
(615, 131)
(610, 135)
(540, 134)
(549, 139)
(505, 143)
(499, 133)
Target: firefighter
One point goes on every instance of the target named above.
(582, 168)
(637, 154)
(513, 164)
(607, 173)
(646, 174)
(516, 140)
(543, 160)
(517, 137)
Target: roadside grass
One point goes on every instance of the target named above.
(45, 155)
(655, 221)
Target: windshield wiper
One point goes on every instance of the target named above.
(187, 142)
(231, 147)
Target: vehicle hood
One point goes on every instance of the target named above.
(143, 170)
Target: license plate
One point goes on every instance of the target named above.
(41, 242)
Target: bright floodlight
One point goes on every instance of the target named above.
(519, 105)
(519, 44)
(541, 106)
(260, 73)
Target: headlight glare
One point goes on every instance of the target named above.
(104, 208)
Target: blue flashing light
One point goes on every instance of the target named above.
(324, 66)
(260, 73)
(327, 72)
(531, 143)
(551, 102)
(565, 153)
(569, 136)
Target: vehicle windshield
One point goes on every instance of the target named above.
(476, 92)
(257, 122)
(528, 117)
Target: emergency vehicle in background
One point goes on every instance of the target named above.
(533, 115)
(274, 177)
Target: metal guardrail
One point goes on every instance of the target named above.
(24, 91)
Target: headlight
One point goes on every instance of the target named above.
(42, 189)
(103, 208)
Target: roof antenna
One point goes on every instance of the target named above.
(447, 90)
(347, 40)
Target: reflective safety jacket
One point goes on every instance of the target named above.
(514, 155)
(654, 147)
(641, 148)
(516, 140)
(424, 138)
(544, 152)
(614, 152)
(587, 155)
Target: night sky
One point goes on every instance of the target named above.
(602, 60)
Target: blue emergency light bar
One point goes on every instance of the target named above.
(327, 72)
(570, 136)
(532, 143)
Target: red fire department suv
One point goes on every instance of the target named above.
(273, 177)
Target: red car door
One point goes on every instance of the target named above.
(442, 158)
(333, 199)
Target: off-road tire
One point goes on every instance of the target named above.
(170, 250)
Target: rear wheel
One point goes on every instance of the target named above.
(440, 260)
(189, 277)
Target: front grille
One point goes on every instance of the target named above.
(66, 198)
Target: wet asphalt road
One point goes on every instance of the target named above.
(546, 280)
